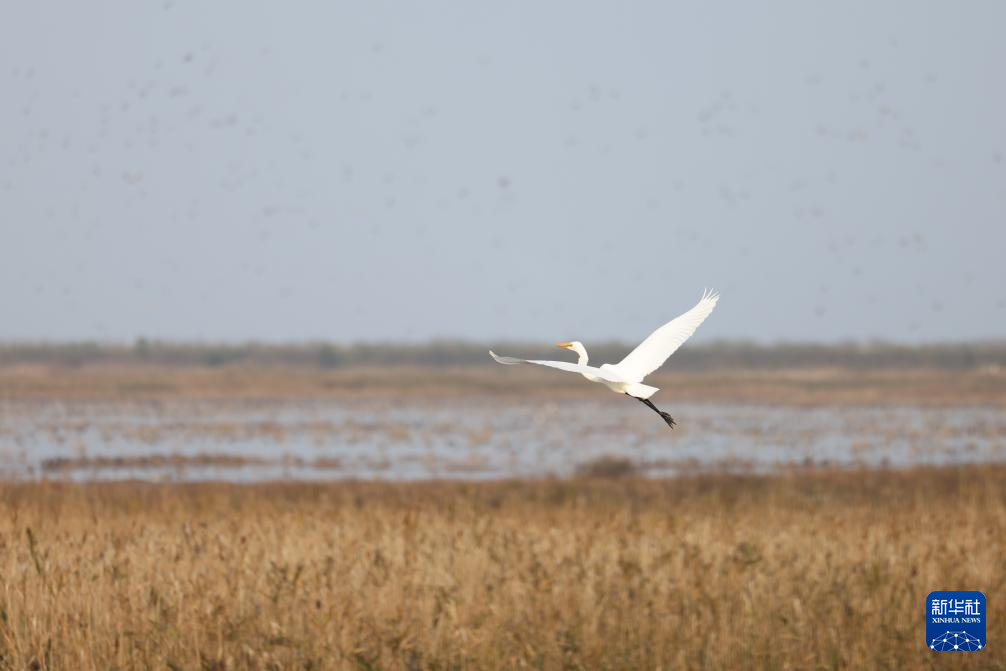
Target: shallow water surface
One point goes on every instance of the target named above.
(478, 437)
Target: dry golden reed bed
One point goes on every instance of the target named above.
(799, 571)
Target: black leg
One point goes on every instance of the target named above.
(667, 418)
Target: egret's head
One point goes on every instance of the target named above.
(574, 346)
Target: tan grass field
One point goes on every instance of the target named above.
(797, 386)
(815, 570)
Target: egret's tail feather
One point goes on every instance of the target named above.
(641, 391)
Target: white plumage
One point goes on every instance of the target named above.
(665, 341)
(626, 376)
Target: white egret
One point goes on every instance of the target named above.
(626, 376)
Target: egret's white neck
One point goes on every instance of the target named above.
(581, 352)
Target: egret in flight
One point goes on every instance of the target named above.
(626, 376)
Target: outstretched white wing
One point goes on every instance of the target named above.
(608, 375)
(662, 343)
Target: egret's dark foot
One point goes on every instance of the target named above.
(663, 415)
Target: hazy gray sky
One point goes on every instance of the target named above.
(283, 171)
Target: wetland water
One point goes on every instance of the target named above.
(477, 437)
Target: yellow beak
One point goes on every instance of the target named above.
(564, 345)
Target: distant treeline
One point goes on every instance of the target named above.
(443, 353)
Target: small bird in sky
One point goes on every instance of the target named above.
(626, 376)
